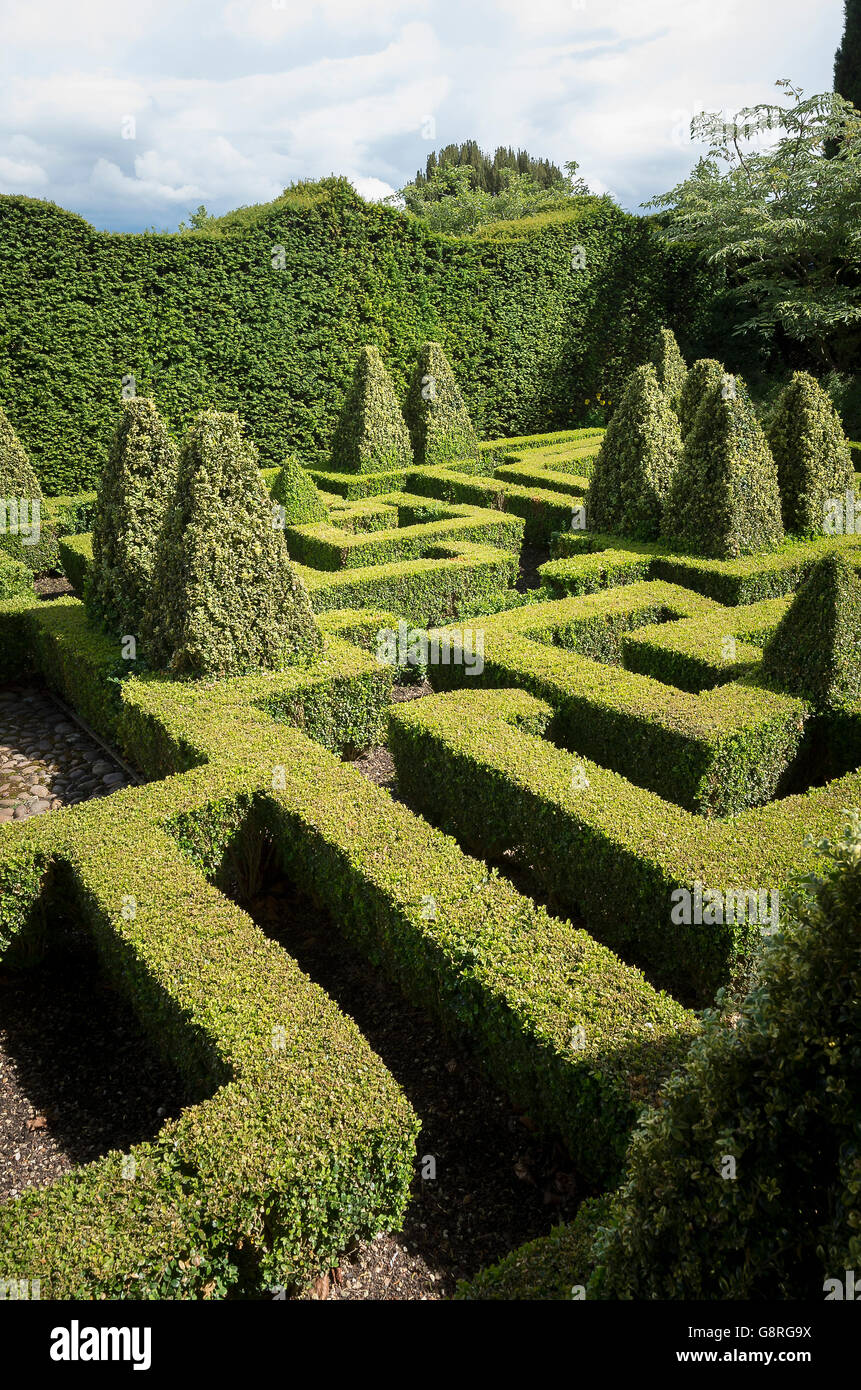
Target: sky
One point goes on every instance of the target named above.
(134, 112)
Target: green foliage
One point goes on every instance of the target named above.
(811, 453)
(17, 478)
(224, 599)
(489, 173)
(551, 1267)
(775, 1089)
(781, 219)
(703, 376)
(371, 435)
(206, 319)
(437, 418)
(296, 491)
(135, 491)
(15, 577)
(847, 59)
(724, 500)
(638, 458)
(455, 200)
(670, 366)
(815, 651)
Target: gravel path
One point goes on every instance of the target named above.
(46, 760)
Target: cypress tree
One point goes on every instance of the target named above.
(847, 59)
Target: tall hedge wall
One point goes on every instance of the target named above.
(264, 314)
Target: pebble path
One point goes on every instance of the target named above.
(46, 760)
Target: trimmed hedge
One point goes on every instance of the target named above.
(479, 764)
(669, 366)
(265, 310)
(224, 599)
(543, 510)
(638, 459)
(811, 452)
(702, 378)
(724, 500)
(135, 491)
(710, 649)
(553, 1267)
(784, 1220)
(815, 651)
(294, 490)
(371, 435)
(418, 528)
(16, 578)
(438, 421)
(715, 753)
(17, 477)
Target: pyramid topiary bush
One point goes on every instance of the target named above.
(438, 421)
(724, 500)
(296, 491)
(746, 1182)
(225, 600)
(639, 455)
(811, 452)
(815, 650)
(371, 435)
(17, 476)
(135, 490)
(705, 374)
(669, 364)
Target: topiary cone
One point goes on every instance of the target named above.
(371, 435)
(815, 650)
(438, 420)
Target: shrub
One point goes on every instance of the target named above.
(705, 374)
(815, 650)
(669, 364)
(15, 577)
(296, 491)
(776, 1090)
(811, 453)
(724, 500)
(637, 460)
(224, 599)
(136, 487)
(438, 420)
(17, 478)
(371, 435)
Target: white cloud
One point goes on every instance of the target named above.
(232, 101)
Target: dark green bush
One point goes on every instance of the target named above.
(669, 365)
(224, 599)
(15, 577)
(438, 420)
(811, 452)
(296, 491)
(135, 491)
(774, 1088)
(815, 651)
(724, 500)
(703, 376)
(371, 435)
(636, 462)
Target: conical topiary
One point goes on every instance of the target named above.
(724, 500)
(135, 490)
(296, 491)
(638, 457)
(746, 1182)
(225, 600)
(811, 452)
(815, 650)
(705, 374)
(438, 420)
(371, 435)
(17, 476)
(669, 364)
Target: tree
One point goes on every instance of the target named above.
(452, 199)
(296, 491)
(371, 435)
(724, 499)
(811, 452)
(847, 59)
(639, 455)
(225, 600)
(488, 172)
(781, 219)
(437, 418)
(135, 490)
